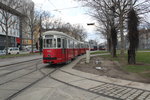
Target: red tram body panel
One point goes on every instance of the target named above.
(54, 56)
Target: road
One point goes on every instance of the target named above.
(33, 80)
(17, 77)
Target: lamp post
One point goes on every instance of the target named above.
(88, 51)
(40, 37)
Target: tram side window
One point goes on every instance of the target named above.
(49, 43)
(71, 44)
(75, 45)
(54, 45)
(59, 42)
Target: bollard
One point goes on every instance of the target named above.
(87, 56)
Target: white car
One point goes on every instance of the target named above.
(2, 52)
(13, 50)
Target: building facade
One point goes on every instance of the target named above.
(12, 17)
(144, 39)
(93, 45)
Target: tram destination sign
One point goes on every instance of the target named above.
(49, 36)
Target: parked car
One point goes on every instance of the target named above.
(34, 51)
(2, 52)
(13, 50)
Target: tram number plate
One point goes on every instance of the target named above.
(48, 50)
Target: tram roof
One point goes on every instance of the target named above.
(56, 33)
(60, 34)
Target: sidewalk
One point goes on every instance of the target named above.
(9, 61)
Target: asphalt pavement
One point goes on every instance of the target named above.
(14, 60)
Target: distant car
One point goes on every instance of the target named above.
(12, 50)
(35, 51)
(102, 48)
(2, 52)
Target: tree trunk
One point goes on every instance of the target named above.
(131, 56)
(7, 40)
(108, 45)
(32, 40)
(113, 41)
(114, 51)
(122, 36)
(20, 33)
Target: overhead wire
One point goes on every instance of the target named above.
(54, 6)
(59, 10)
(68, 8)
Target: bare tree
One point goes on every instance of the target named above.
(46, 20)
(102, 8)
(133, 35)
(105, 15)
(7, 16)
(32, 19)
(77, 31)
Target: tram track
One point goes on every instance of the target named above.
(33, 66)
(31, 84)
(1, 66)
(17, 77)
(23, 89)
(7, 67)
(2, 75)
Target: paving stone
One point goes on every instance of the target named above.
(123, 97)
(117, 96)
(141, 97)
(111, 94)
(100, 92)
(145, 93)
(129, 99)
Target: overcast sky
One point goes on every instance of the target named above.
(69, 11)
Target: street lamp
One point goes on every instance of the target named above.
(90, 24)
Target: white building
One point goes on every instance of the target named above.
(93, 45)
(14, 11)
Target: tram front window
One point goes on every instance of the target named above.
(50, 43)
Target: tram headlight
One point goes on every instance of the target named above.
(48, 55)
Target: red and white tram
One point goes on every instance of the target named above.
(58, 47)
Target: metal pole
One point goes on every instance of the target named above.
(87, 56)
(40, 37)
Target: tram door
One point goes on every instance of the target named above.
(64, 48)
